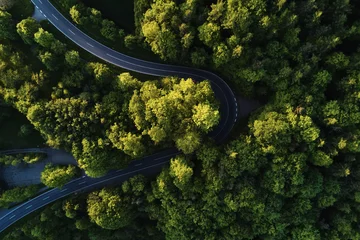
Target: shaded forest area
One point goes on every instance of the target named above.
(293, 175)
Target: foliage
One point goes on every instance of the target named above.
(18, 195)
(10, 160)
(293, 173)
(155, 110)
(57, 176)
(27, 28)
(16, 159)
(108, 210)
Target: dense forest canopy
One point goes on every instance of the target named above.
(94, 112)
(293, 173)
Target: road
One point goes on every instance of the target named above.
(228, 103)
(149, 165)
(19, 151)
(26, 174)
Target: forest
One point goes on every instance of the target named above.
(288, 171)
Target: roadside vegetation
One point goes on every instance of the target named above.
(57, 175)
(293, 173)
(16, 159)
(95, 111)
(94, 24)
(17, 195)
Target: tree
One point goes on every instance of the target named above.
(129, 143)
(181, 172)
(109, 30)
(58, 47)
(76, 13)
(189, 142)
(221, 55)
(95, 16)
(97, 159)
(44, 38)
(199, 57)
(73, 79)
(18, 195)
(49, 60)
(158, 28)
(177, 109)
(7, 30)
(130, 41)
(205, 116)
(72, 58)
(6, 4)
(101, 72)
(140, 7)
(109, 210)
(58, 176)
(209, 33)
(10, 159)
(26, 28)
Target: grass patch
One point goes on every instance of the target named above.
(121, 12)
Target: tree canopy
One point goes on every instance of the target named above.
(288, 171)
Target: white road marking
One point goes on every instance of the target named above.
(40, 1)
(63, 190)
(44, 15)
(138, 170)
(45, 198)
(89, 44)
(81, 183)
(83, 176)
(72, 32)
(28, 207)
(37, 7)
(113, 56)
(41, 11)
(55, 17)
(138, 164)
(12, 216)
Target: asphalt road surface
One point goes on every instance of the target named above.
(149, 165)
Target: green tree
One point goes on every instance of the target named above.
(109, 210)
(18, 195)
(181, 172)
(6, 4)
(109, 30)
(26, 28)
(44, 38)
(7, 29)
(58, 176)
(72, 58)
(176, 109)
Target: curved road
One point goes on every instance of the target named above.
(228, 103)
(148, 165)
